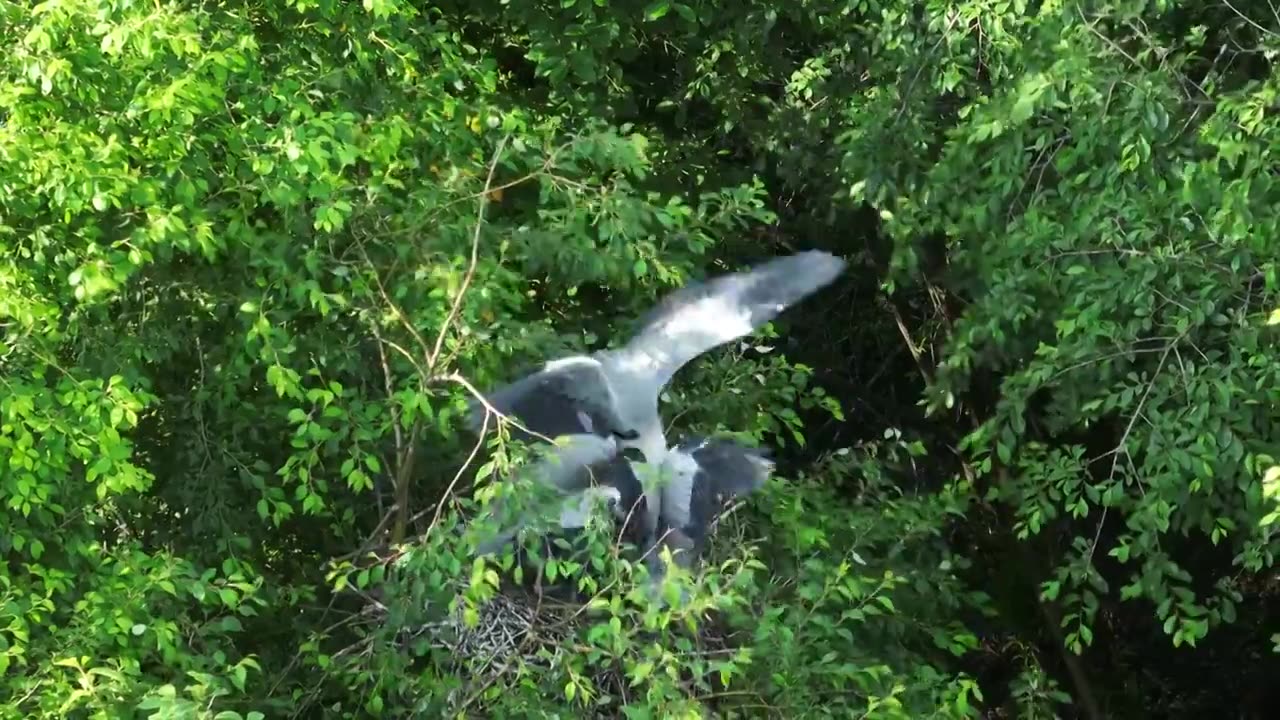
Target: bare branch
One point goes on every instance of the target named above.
(1249, 20)
(482, 203)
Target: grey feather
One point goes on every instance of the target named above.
(706, 475)
(703, 316)
(617, 390)
(567, 397)
(568, 467)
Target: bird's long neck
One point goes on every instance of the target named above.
(635, 391)
(636, 386)
(634, 377)
(652, 441)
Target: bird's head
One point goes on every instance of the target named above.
(649, 440)
(574, 514)
(583, 450)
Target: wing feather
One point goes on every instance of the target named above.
(703, 316)
(566, 397)
(726, 470)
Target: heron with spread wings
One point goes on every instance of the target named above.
(615, 392)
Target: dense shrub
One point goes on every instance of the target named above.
(255, 256)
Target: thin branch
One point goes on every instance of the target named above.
(386, 297)
(490, 412)
(1248, 19)
(911, 346)
(906, 95)
(475, 450)
(544, 170)
(1111, 356)
(1077, 253)
(1124, 438)
(390, 389)
(404, 474)
(369, 541)
(482, 204)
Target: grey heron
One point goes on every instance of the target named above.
(617, 390)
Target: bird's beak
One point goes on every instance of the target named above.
(633, 454)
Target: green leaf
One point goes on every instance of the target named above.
(657, 9)
(641, 671)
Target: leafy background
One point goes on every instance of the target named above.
(253, 256)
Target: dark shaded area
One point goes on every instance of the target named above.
(851, 338)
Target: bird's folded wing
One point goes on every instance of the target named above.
(572, 463)
(734, 469)
(680, 474)
(728, 471)
(569, 472)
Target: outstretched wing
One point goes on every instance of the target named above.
(566, 397)
(700, 317)
(725, 470)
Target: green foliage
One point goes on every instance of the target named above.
(254, 257)
(1119, 287)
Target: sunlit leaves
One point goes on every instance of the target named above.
(260, 221)
(1101, 296)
